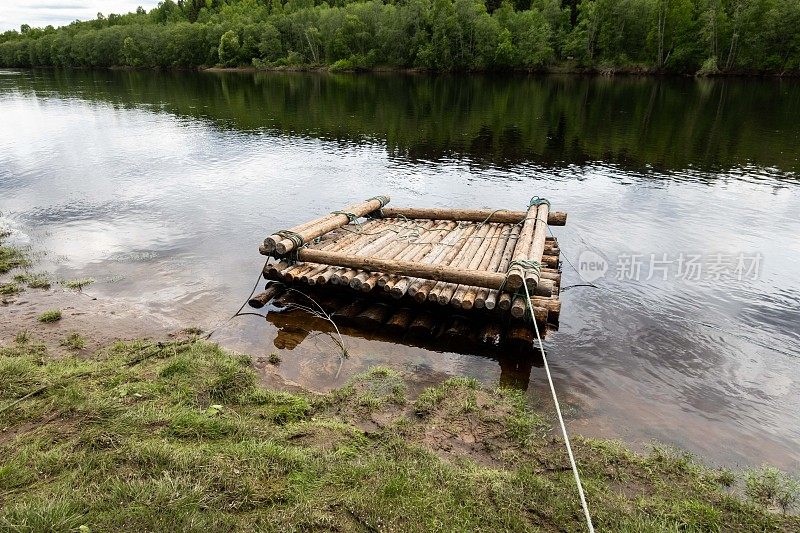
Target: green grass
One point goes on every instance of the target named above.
(74, 341)
(53, 315)
(34, 281)
(11, 257)
(10, 289)
(77, 284)
(178, 436)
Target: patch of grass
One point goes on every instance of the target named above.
(48, 317)
(23, 337)
(375, 388)
(74, 341)
(182, 435)
(770, 487)
(431, 397)
(11, 257)
(77, 284)
(274, 359)
(33, 281)
(10, 289)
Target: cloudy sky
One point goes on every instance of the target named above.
(14, 13)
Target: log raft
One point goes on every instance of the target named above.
(401, 263)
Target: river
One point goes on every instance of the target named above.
(683, 201)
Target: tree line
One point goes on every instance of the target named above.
(682, 36)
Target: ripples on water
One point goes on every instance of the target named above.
(163, 186)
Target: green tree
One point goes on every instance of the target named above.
(228, 48)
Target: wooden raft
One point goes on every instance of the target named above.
(472, 260)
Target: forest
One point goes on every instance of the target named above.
(673, 36)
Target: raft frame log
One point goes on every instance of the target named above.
(473, 260)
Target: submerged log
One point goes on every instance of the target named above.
(373, 316)
(502, 216)
(399, 322)
(273, 290)
(347, 313)
(423, 324)
(491, 334)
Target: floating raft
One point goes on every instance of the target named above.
(470, 261)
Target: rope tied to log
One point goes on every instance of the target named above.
(538, 201)
(296, 238)
(351, 217)
(382, 199)
(526, 265)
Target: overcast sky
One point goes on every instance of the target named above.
(40, 13)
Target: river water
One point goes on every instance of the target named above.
(683, 201)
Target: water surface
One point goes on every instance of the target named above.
(161, 186)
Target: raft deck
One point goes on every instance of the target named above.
(471, 261)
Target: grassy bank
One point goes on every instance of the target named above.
(178, 436)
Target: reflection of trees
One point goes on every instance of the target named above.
(668, 124)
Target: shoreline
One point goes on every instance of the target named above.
(107, 396)
(567, 70)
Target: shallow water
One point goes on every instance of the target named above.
(161, 186)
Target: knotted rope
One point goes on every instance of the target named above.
(351, 217)
(538, 201)
(296, 238)
(382, 199)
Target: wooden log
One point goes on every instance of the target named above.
(491, 334)
(479, 262)
(551, 248)
(520, 334)
(516, 274)
(482, 298)
(536, 252)
(301, 271)
(366, 234)
(457, 239)
(424, 324)
(432, 249)
(347, 313)
(270, 242)
(367, 281)
(458, 328)
(328, 223)
(465, 295)
(439, 291)
(502, 216)
(518, 307)
(273, 290)
(504, 234)
(343, 244)
(544, 288)
(399, 322)
(345, 276)
(550, 261)
(415, 251)
(272, 270)
(373, 316)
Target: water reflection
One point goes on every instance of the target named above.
(635, 123)
(161, 186)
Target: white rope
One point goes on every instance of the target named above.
(560, 418)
